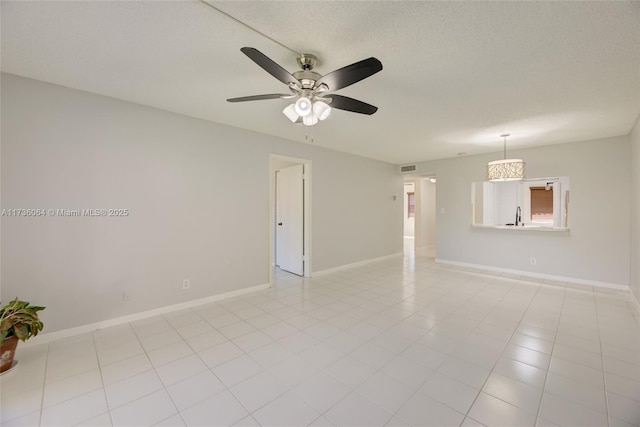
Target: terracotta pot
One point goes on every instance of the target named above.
(7, 351)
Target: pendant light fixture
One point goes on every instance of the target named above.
(506, 169)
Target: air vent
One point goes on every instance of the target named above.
(407, 168)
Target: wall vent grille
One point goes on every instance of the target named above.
(408, 168)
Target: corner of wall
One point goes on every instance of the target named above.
(634, 274)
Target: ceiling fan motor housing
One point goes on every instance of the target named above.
(307, 61)
(307, 78)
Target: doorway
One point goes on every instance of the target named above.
(409, 201)
(419, 232)
(290, 215)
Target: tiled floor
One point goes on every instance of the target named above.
(400, 342)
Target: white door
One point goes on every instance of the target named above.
(290, 219)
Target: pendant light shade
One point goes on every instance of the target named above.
(321, 109)
(506, 169)
(310, 119)
(290, 112)
(303, 106)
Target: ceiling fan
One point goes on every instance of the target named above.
(310, 89)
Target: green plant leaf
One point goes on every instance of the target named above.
(21, 331)
(19, 318)
(6, 324)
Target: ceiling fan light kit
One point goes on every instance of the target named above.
(309, 88)
(308, 111)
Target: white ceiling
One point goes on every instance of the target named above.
(456, 74)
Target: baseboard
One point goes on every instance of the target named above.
(355, 264)
(52, 336)
(635, 301)
(569, 280)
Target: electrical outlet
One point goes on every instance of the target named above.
(186, 284)
(533, 261)
(126, 296)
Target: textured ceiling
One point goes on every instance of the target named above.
(456, 74)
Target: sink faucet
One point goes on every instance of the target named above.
(518, 216)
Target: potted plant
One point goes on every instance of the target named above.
(18, 321)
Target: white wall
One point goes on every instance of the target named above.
(635, 210)
(596, 248)
(180, 179)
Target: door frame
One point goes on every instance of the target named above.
(420, 213)
(276, 162)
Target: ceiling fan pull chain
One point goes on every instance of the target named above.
(306, 137)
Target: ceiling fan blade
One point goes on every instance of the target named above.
(350, 74)
(260, 97)
(269, 66)
(349, 104)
